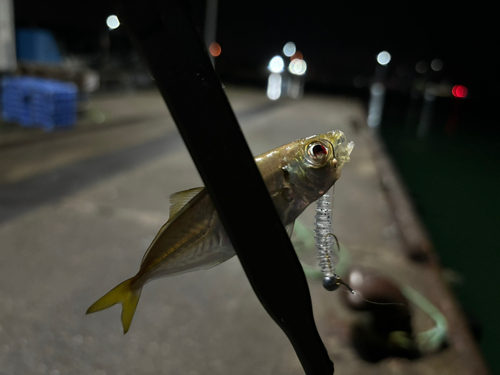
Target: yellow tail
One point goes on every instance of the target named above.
(123, 294)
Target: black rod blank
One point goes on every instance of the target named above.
(179, 63)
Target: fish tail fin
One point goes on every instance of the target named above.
(124, 294)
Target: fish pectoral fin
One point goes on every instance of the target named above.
(180, 199)
(289, 228)
(124, 294)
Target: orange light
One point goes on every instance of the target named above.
(459, 91)
(215, 49)
(297, 55)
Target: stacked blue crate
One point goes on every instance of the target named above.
(11, 100)
(54, 106)
(39, 102)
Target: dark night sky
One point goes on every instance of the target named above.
(338, 39)
(347, 36)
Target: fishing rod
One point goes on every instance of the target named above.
(178, 61)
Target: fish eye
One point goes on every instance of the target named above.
(317, 153)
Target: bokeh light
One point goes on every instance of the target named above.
(297, 55)
(297, 67)
(215, 49)
(276, 64)
(459, 91)
(289, 49)
(436, 65)
(383, 58)
(113, 22)
(421, 67)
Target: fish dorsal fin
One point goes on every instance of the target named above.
(177, 202)
(180, 199)
(289, 228)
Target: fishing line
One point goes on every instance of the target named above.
(359, 295)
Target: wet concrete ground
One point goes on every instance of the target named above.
(79, 210)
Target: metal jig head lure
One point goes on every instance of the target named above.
(326, 241)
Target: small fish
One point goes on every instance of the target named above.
(296, 174)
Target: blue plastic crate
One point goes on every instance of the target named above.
(44, 103)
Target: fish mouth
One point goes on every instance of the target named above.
(342, 148)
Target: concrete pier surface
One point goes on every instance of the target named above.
(79, 208)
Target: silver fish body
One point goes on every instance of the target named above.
(194, 238)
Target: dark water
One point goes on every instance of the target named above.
(453, 174)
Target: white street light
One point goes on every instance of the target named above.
(383, 58)
(298, 67)
(276, 64)
(289, 49)
(113, 22)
